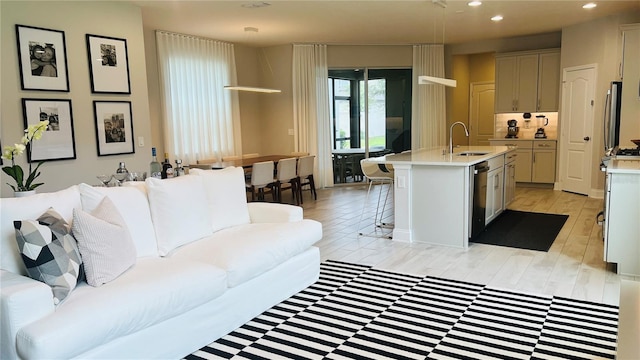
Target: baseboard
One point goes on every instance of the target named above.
(535, 185)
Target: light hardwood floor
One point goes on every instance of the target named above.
(573, 267)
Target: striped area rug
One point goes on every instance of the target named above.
(356, 311)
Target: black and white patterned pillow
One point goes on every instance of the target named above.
(50, 253)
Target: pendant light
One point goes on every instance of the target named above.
(249, 30)
(431, 80)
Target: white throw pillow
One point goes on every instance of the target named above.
(179, 211)
(133, 205)
(104, 242)
(226, 195)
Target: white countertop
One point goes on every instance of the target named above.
(624, 166)
(435, 156)
(523, 139)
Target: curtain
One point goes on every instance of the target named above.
(428, 121)
(312, 127)
(201, 120)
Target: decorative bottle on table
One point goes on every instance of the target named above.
(167, 169)
(155, 167)
(122, 169)
(179, 168)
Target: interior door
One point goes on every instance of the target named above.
(481, 113)
(578, 94)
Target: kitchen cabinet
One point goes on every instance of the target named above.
(510, 177)
(527, 81)
(495, 189)
(622, 211)
(543, 167)
(629, 124)
(535, 160)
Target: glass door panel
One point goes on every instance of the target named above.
(371, 116)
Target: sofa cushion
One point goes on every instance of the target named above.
(226, 195)
(156, 289)
(179, 211)
(104, 241)
(49, 253)
(133, 205)
(29, 208)
(246, 251)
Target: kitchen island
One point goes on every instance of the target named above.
(433, 192)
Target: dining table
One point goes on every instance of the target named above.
(244, 163)
(347, 162)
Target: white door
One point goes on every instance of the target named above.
(578, 96)
(481, 113)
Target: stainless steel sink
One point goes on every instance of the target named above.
(472, 153)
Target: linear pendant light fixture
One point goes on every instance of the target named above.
(252, 89)
(254, 30)
(430, 80)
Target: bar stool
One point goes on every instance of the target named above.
(381, 174)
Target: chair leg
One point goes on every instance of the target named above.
(376, 223)
(299, 192)
(312, 184)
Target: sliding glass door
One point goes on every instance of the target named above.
(371, 116)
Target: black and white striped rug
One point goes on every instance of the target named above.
(356, 311)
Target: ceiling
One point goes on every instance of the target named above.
(368, 22)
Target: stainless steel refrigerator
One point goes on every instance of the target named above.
(611, 121)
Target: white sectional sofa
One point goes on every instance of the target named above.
(206, 262)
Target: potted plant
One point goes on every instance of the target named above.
(24, 186)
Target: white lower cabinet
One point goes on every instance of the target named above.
(622, 225)
(536, 161)
(495, 189)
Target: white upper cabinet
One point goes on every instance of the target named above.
(527, 81)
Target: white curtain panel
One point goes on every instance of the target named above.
(428, 120)
(201, 119)
(312, 126)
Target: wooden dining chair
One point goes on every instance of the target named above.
(305, 176)
(287, 179)
(261, 180)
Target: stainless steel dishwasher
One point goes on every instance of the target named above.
(479, 198)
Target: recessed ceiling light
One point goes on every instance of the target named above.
(474, 3)
(589, 6)
(496, 18)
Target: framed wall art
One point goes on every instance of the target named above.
(114, 127)
(58, 142)
(42, 56)
(108, 65)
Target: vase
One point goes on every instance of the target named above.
(24, 193)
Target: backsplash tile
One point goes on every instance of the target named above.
(527, 129)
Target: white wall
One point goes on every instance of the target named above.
(114, 19)
(596, 42)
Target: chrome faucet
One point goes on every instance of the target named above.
(466, 132)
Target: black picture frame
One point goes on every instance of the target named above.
(42, 57)
(114, 127)
(58, 142)
(108, 65)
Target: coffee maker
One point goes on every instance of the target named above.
(512, 128)
(542, 122)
